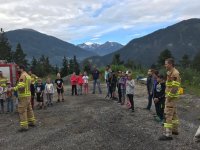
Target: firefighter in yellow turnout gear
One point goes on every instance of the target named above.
(26, 114)
(3, 80)
(172, 95)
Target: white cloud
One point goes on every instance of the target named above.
(74, 19)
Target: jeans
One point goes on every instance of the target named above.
(79, 89)
(96, 81)
(150, 97)
(49, 98)
(108, 89)
(10, 104)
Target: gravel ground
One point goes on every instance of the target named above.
(92, 122)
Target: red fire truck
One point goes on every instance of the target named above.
(9, 71)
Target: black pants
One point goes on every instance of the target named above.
(119, 94)
(74, 89)
(130, 97)
(160, 105)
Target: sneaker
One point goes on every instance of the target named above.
(165, 138)
(133, 110)
(22, 130)
(63, 100)
(58, 101)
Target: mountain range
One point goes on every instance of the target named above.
(101, 49)
(36, 44)
(180, 38)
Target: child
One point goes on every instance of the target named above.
(9, 97)
(2, 98)
(39, 92)
(60, 87)
(80, 83)
(49, 90)
(85, 82)
(113, 86)
(122, 82)
(73, 83)
(119, 87)
(130, 85)
(159, 97)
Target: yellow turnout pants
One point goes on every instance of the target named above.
(172, 122)
(26, 115)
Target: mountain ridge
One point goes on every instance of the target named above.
(180, 38)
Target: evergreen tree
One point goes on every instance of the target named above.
(64, 69)
(130, 64)
(163, 56)
(5, 48)
(196, 62)
(76, 66)
(185, 61)
(116, 60)
(19, 56)
(71, 66)
(87, 66)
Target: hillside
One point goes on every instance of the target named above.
(36, 44)
(181, 38)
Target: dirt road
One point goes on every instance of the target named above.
(91, 122)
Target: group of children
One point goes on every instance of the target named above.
(125, 84)
(79, 83)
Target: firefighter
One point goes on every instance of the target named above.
(25, 111)
(171, 94)
(3, 80)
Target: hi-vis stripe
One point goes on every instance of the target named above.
(172, 95)
(168, 125)
(173, 83)
(175, 122)
(24, 123)
(31, 119)
(176, 84)
(169, 83)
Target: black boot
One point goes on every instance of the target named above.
(165, 138)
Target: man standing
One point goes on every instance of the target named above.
(25, 110)
(96, 80)
(172, 94)
(150, 88)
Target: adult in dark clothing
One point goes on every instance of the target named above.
(150, 88)
(96, 80)
(159, 97)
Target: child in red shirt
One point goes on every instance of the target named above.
(73, 80)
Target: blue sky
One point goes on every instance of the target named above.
(95, 21)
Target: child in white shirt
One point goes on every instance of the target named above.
(85, 82)
(49, 90)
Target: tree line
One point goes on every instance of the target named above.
(40, 66)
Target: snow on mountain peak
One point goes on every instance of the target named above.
(88, 43)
